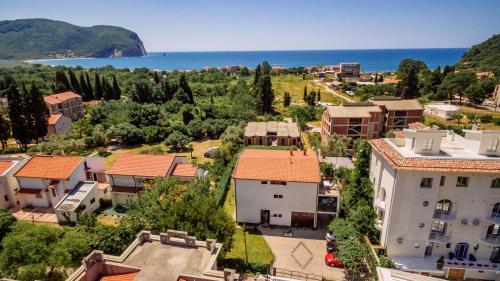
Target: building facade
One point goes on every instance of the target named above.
(437, 194)
(58, 124)
(349, 69)
(8, 183)
(272, 133)
(278, 187)
(398, 113)
(68, 104)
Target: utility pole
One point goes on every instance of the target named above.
(245, 239)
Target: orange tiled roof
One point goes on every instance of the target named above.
(58, 98)
(120, 277)
(49, 167)
(4, 165)
(279, 165)
(399, 162)
(54, 118)
(142, 165)
(184, 170)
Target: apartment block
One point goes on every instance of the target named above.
(272, 133)
(68, 104)
(399, 113)
(437, 196)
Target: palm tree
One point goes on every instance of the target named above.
(336, 146)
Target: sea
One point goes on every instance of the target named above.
(371, 60)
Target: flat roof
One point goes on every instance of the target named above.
(353, 110)
(75, 197)
(338, 162)
(394, 104)
(443, 106)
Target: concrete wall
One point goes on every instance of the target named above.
(120, 199)
(253, 196)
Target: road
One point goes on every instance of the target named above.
(347, 99)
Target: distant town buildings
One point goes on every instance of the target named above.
(349, 69)
(371, 119)
(437, 194)
(68, 104)
(272, 133)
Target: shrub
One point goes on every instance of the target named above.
(386, 262)
(496, 121)
(486, 118)
(223, 183)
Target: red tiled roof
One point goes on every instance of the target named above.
(50, 167)
(120, 277)
(58, 98)
(142, 165)
(278, 165)
(184, 170)
(4, 165)
(398, 162)
(54, 118)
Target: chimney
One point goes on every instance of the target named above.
(305, 151)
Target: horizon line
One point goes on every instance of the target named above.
(301, 50)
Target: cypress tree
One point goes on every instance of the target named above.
(4, 129)
(39, 113)
(267, 94)
(286, 99)
(16, 115)
(117, 93)
(98, 87)
(107, 90)
(318, 95)
(305, 94)
(62, 83)
(256, 78)
(74, 82)
(184, 85)
(90, 91)
(85, 89)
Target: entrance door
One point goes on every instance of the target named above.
(461, 250)
(428, 249)
(264, 217)
(495, 255)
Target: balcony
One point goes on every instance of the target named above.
(439, 237)
(494, 217)
(491, 239)
(378, 224)
(443, 215)
(380, 204)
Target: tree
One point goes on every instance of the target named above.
(363, 217)
(117, 92)
(286, 99)
(267, 94)
(375, 80)
(336, 146)
(62, 83)
(305, 93)
(84, 88)
(184, 85)
(7, 220)
(19, 122)
(177, 141)
(302, 114)
(476, 94)
(74, 82)
(107, 90)
(90, 92)
(456, 83)
(99, 92)
(39, 113)
(4, 129)
(407, 88)
(256, 79)
(318, 95)
(343, 229)
(352, 253)
(128, 134)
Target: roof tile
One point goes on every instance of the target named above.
(50, 167)
(60, 97)
(142, 165)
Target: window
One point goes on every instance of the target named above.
(443, 206)
(38, 195)
(495, 183)
(54, 192)
(439, 227)
(263, 182)
(279, 196)
(279, 215)
(462, 181)
(92, 201)
(278, 182)
(442, 180)
(492, 146)
(426, 183)
(6, 198)
(427, 146)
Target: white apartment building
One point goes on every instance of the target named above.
(437, 194)
(279, 187)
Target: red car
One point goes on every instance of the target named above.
(333, 261)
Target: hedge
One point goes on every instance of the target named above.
(223, 184)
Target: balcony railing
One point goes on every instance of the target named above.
(443, 215)
(380, 204)
(491, 239)
(439, 236)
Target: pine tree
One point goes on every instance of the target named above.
(4, 129)
(85, 89)
(318, 96)
(39, 113)
(305, 94)
(74, 82)
(184, 85)
(107, 90)
(90, 91)
(16, 115)
(62, 84)
(98, 87)
(117, 93)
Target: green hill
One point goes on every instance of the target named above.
(483, 56)
(41, 38)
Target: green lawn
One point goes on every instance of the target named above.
(259, 252)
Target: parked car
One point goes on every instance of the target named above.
(331, 247)
(210, 152)
(332, 260)
(330, 236)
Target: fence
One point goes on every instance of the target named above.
(371, 259)
(290, 274)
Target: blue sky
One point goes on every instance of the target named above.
(211, 25)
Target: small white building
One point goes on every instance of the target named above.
(277, 187)
(437, 194)
(442, 110)
(8, 183)
(130, 171)
(58, 124)
(83, 198)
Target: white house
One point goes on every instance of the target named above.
(45, 181)
(277, 187)
(442, 110)
(130, 171)
(83, 198)
(437, 194)
(58, 124)
(8, 183)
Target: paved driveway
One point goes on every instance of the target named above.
(305, 252)
(35, 214)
